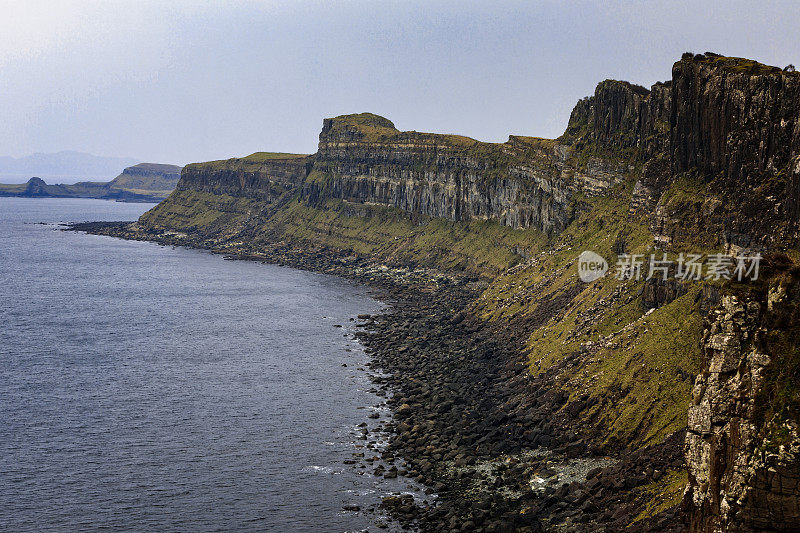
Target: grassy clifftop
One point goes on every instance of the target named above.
(738, 65)
(251, 163)
(374, 129)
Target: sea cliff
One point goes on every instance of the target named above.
(684, 389)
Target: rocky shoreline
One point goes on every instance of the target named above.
(495, 444)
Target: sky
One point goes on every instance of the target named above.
(184, 81)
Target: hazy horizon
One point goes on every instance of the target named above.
(66, 167)
(193, 82)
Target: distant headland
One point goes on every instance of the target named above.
(145, 182)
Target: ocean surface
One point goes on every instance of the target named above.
(149, 388)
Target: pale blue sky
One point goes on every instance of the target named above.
(192, 81)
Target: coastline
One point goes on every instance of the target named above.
(469, 421)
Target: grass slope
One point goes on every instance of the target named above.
(631, 370)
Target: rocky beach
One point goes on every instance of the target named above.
(490, 443)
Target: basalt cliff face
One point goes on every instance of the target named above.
(727, 126)
(262, 175)
(743, 445)
(521, 183)
(707, 162)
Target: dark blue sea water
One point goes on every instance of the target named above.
(151, 388)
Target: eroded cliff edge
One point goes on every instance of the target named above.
(708, 162)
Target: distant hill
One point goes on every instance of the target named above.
(151, 177)
(145, 182)
(66, 166)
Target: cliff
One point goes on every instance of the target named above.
(725, 126)
(364, 159)
(263, 175)
(706, 162)
(151, 179)
(743, 445)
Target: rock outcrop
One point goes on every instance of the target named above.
(36, 187)
(736, 124)
(731, 126)
(742, 448)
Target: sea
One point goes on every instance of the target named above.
(154, 388)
